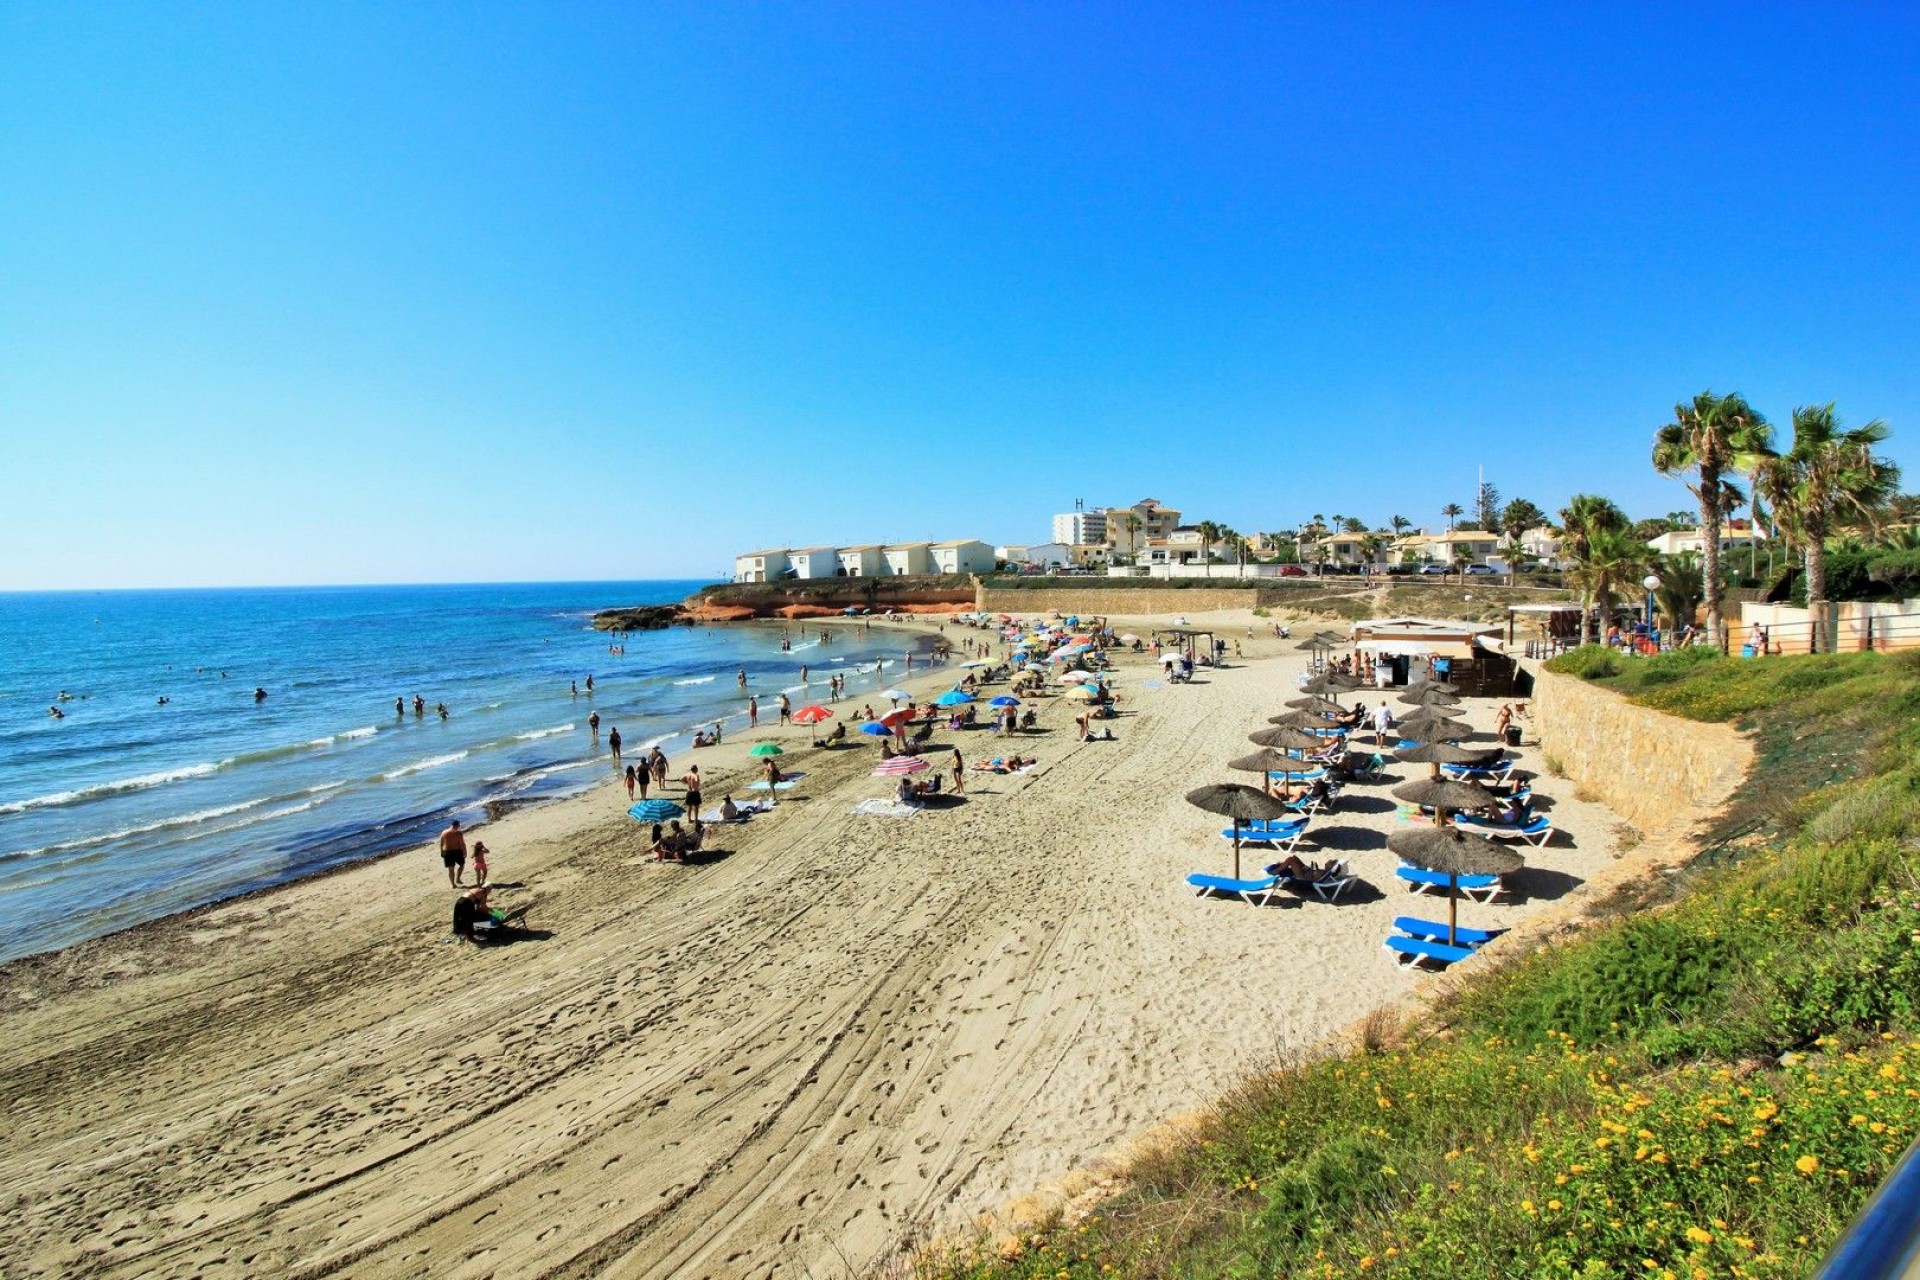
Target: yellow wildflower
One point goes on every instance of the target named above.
(1807, 1164)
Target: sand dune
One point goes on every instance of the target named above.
(844, 1033)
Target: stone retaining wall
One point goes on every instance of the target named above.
(1652, 769)
(1119, 601)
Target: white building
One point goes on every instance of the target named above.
(964, 555)
(760, 566)
(861, 562)
(1080, 526)
(1733, 533)
(815, 562)
(906, 558)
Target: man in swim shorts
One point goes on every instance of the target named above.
(453, 852)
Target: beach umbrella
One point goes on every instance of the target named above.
(1129, 638)
(850, 610)
(811, 716)
(1266, 760)
(1313, 644)
(1082, 693)
(1005, 700)
(1241, 803)
(976, 662)
(1443, 794)
(896, 720)
(1299, 720)
(1332, 639)
(1432, 729)
(1438, 686)
(1331, 682)
(874, 728)
(1427, 696)
(899, 766)
(953, 698)
(1287, 738)
(655, 810)
(1314, 702)
(767, 749)
(1076, 677)
(896, 695)
(1445, 850)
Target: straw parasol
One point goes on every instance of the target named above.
(1428, 696)
(1431, 727)
(1239, 802)
(1331, 682)
(1300, 720)
(1445, 850)
(1314, 702)
(1444, 794)
(1286, 738)
(1438, 686)
(1265, 760)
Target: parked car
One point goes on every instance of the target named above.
(1292, 571)
(1481, 570)
(1439, 569)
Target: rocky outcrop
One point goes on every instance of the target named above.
(645, 617)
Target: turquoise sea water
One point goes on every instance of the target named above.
(127, 809)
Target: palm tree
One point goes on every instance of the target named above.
(1680, 588)
(1829, 481)
(1587, 517)
(1513, 551)
(1399, 525)
(1452, 511)
(1131, 523)
(1613, 559)
(1714, 437)
(1209, 534)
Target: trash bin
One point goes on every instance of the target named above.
(1513, 735)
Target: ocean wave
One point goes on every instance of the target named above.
(696, 680)
(127, 833)
(795, 688)
(420, 766)
(351, 735)
(536, 734)
(80, 795)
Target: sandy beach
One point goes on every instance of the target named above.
(841, 1033)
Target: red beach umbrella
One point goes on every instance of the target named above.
(812, 716)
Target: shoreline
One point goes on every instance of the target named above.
(838, 1035)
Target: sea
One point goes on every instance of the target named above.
(214, 742)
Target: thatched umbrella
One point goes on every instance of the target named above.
(1239, 802)
(1439, 753)
(1286, 738)
(1438, 686)
(1300, 720)
(1313, 702)
(1265, 760)
(1330, 682)
(1444, 794)
(1427, 696)
(1432, 726)
(1445, 850)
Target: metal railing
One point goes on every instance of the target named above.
(1883, 1240)
(1873, 633)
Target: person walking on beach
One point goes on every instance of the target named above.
(959, 773)
(630, 782)
(659, 761)
(692, 781)
(613, 744)
(753, 712)
(641, 776)
(786, 709)
(1382, 722)
(480, 862)
(803, 673)
(453, 852)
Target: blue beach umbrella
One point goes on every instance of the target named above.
(1005, 700)
(655, 810)
(876, 729)
(953, 698)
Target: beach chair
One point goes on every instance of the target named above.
(1253, 892)
(1327, 888)
(1536, 832)
(1498, 769)
(1277, 834)
(1434, 931)
(1415, 953)
(1480, 888)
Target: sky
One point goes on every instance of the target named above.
(482, 292)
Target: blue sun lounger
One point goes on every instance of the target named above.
(1281, 835)
(1413, 953)
(1253, 892)
(1434, 931)
(1328, 887)
(1421, 880)
(1536, 832)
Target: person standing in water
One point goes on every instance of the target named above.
(593, 723)
(400, 708)
(613, 743)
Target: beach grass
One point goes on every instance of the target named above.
(1710, 1083)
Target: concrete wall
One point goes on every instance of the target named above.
(1652, 769)
(1127, 601)
(1855, 625)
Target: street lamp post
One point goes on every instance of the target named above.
(1652, 583)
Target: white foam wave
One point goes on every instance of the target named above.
(421, 766)
(795, 688)
(59, 799)
(533, 735)
(127, 833)
(351, 735)
(696, 680)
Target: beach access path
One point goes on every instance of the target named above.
(843, 1034)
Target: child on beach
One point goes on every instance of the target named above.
(479, 862)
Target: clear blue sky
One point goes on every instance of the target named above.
(365, 293)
